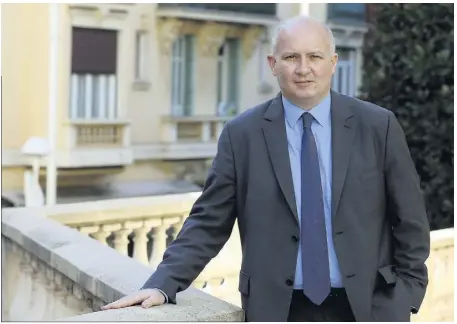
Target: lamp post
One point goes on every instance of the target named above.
(35, 148)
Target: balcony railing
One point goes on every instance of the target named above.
(102, 134)
(146, 226)
(52, 271)
(246, 8)
(93, 143)
(192, 129)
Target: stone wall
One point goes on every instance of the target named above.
(54, 272)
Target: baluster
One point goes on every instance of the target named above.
(121, 240)
(105, 230)
(140, 249)
(178, 226)
(89, 229)
(159, 245)
(171, 222)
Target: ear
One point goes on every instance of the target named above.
(272, 63)
(334, 61)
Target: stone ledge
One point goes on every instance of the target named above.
(102, 271)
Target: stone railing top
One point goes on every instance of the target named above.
(113, 210)
(102, 271)
(442, 238)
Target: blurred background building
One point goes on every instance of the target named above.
(142, 90)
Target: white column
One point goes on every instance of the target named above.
(51, 171)
(160, 244)
(140, 247)
(121, 240)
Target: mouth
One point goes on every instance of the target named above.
(303, 82)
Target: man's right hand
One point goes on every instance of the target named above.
(147, 298)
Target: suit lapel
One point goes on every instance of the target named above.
(342, 138)
(274, 131)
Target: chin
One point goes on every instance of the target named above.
(307, 94)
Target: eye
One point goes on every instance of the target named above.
(288, 57)
(315, 56)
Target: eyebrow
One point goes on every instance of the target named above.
(296, 53)
(316, 52)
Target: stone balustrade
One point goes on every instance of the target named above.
(438, 305)
(143, 225)
(149, 220)
(53, 272)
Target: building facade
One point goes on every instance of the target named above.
(143, 90)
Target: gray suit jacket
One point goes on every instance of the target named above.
(380, 228)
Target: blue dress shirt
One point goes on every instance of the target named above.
(322, 130)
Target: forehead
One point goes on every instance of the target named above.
(303, 37)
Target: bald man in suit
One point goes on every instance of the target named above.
(331, 217)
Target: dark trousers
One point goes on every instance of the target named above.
(335, 308)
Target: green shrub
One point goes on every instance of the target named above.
(408, 69)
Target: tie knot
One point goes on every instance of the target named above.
(307, 119)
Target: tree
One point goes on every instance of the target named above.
(408, 69)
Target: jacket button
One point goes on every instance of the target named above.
(295, 238)
(289, 282)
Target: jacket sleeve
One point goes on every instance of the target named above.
(409, 221)
(205, 231)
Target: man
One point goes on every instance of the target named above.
(331, 218)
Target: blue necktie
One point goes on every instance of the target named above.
(316, 272)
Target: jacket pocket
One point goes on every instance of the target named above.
(243, 286)
(388, 274)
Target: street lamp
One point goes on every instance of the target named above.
(36, 148)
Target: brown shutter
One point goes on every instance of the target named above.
(94, 51)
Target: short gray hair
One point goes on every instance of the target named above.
(294, 20)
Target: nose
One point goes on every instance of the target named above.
(302, 67)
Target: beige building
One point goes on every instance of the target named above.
(143, 90)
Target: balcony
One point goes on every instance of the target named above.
(184, 138)
(93, 143)
(66, 261)
(243, 13)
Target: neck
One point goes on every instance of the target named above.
(306, 104)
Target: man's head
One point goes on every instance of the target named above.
(303, 59)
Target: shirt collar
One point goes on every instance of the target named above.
(320, 112)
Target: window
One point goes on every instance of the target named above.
(93, 81)
(344, 78)
(346, 12)
(141, 39)
(182, 76)
(227, 78)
